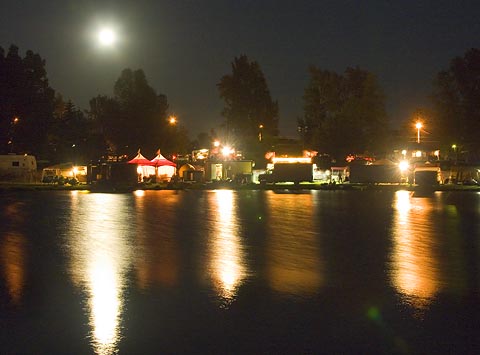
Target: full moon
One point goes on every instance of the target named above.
(106, 37)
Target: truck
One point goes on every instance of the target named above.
(288, 172)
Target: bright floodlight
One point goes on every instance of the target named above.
(226, 151)
(403, 165)
(106, 37)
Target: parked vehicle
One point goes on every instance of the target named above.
(288, 172)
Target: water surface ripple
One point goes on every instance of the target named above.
(239, 272)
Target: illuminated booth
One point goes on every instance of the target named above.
(159, 168)
(163, 169)
(64, 170)
(229, 170)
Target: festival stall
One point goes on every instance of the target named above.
(159, 168)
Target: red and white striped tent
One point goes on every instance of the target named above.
(140, 160)
(159, 167)
(164, 168)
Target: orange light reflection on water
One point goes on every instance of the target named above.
(13, 258)
(293, 257)
(414, 265)
(156, 259)
(13, 254)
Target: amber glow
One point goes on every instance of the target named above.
(418, 126)
(157, 255)
(13, 258)
(13, 252)
(291, 160)
(172, 120)
(415, 267)
(293, 262)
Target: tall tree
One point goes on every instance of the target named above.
(343, 113)
(143, 112)
(249, 108)
(136, 117)
(26, 102)
(322, 98)
(72, 137)
(106, 114)
(456, 101)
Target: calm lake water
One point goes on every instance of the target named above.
(226, 271)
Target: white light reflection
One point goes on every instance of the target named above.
(227, 264)
(99, 260)
(415, 269)
(139, 193)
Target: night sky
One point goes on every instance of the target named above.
(185, 47)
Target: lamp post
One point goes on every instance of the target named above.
(419, 126)
(260, 133)
(11, 132)
(172, 121)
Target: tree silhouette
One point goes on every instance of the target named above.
(249, 107)
(26, 103)
(343, 113)
(136, 117)
(456, 100)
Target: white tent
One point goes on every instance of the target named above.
(164, 169)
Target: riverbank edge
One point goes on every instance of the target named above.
(6, 186)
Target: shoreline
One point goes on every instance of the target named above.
(9, 186)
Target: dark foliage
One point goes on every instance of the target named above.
(343, 113)
(26, 103)
(250, 113)
(457, 104)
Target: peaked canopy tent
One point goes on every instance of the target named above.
(164, 168)
(143, 165)
(160, 160)
(159, 167)
(140, 160)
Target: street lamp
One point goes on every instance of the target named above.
(11, 132)
(172, 120)
(260, 133)
(419, 126)
(454, 147)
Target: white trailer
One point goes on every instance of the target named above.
(18, 168)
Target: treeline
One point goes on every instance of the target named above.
(343, 112)
(36, 120)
